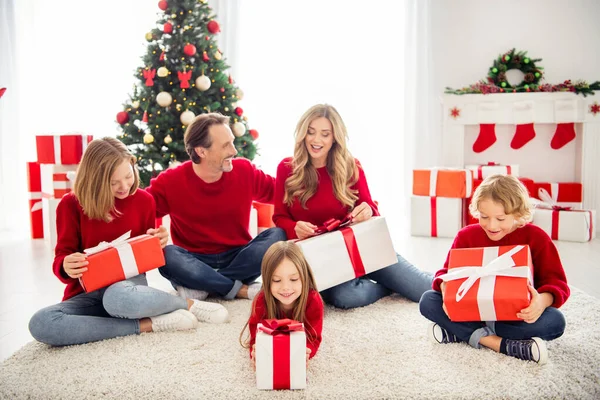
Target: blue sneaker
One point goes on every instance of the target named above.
(440, 335)
(533, 349)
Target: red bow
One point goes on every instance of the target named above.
(275, 327)
(332, 224)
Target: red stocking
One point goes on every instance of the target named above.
(486, 138)
(524, 134)
(563, 135)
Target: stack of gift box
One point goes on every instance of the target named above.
(441, 198)
(50, 178)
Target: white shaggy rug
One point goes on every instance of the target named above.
(377, 352)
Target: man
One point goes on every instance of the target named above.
(209, 200)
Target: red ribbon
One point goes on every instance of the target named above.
(556, 216)
(332, 224)
(433, 201)
(280, 329)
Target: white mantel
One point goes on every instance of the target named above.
(577, 161)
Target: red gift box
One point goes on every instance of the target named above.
(488, 283)
(61, 149)
(121, 259)
(265, 215)
(62, 184)
(34, 187)
(561, 192)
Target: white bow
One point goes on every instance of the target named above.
(121, 240)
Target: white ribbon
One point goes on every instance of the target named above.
(57, 155)
(503, 265)
(546, 197)
(433, 175)
(123, 246)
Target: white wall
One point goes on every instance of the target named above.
(467, 35)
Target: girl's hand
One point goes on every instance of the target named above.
(308, 351)
(539, 302)
(252, 356)
(443, 289)
(304, 229)
(161, 233)
(74, 265)
(362, 212)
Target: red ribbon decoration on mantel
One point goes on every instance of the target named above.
(280, 329)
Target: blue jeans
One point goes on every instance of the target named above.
(402, 278)
(103, 314)
(549, 326)
(222, 273)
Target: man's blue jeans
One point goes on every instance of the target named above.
(222, 273)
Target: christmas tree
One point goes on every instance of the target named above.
(183, 75)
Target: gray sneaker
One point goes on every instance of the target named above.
(533, 349)
(213, 313)
(193, 294)
(178, 320)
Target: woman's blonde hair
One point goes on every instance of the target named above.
(92, 182)
(507, 191)
(342, 168)
(274, 256)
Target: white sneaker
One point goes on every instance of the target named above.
(178, 320)
(193, 294)
(209, 312)
(253, 289)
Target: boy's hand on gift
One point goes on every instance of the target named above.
(252, 356)
(75, 265)
(161, 233)
(361, 213)
(536, 307)
(304, 229)
(443, 289)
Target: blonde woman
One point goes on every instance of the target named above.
(105, 204)
(501, 204)
(324, 181)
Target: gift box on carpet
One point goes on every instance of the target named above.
(443, 182)
(264, 215)
(350, 252)
(34, 188)
(492, 168)
(280, 352)
(488, 283)
(563, 194)
(61, 149)
(121, 259)
(49, 205)
(57, 180)
(566, 224)
(435, 216)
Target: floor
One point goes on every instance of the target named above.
(28, 284)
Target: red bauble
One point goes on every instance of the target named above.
(254, 134)
(168, 28)
(213, 27)
(162, 4)
(207, 37)
(238, 111)
(189, 50)
(222, 90)
(122, 117)
(230, 79)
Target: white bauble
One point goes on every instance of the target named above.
(164, 99)
(238, 129)
(202, 83)
(162, 72)
(187, 117)
(239, 93)
(135, 104)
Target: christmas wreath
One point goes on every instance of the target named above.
(496, 80)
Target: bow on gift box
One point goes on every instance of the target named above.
(548, 202)
(275, 327)
(332, 224)
(120, 241)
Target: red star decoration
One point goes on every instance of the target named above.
(455, 113)
(595, 108)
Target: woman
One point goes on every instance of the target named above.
(324, 181)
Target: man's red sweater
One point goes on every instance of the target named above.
(320, 207)
(76, 232)
(548, 273)
(210, 218)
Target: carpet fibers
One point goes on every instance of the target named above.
(377, 352)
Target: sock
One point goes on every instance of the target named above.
(486, 138)
(563, 135)
(503, 346)
(523, 135)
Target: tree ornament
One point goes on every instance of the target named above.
(162, 56)
(239, 93)
(168, 28)
(230, 79)
(222, 90)
(189, 50)
(184, 78)
(526, 60)
(254, 134)
(122, 117)
(162, 72)
(238, 129)
(178, 107)
(145, 117)
(149, 36)
(149, 75)
(213, 27)
(537, 74)
(148, 138)
(238, 111)
(506, 58)
(218, 55)
(163, 5)
(202, 83)
(164, 99)
(205, 56)
(135, 104)
(495, 70)
(187, 117)
(168, 139)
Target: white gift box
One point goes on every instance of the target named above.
(55, 179)
(435, 216)
(567, 225)
(49, 206)
(483, 171)
(271, 358)
(331, 261)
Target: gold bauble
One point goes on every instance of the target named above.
(162, 72)
(218, 55)
(168, 139)
(148, 138)
(135, 104)
(178, 107)
(149, 36)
